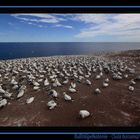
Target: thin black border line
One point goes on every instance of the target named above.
(69, 133)
(136, 6)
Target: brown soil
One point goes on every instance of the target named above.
(115, 106)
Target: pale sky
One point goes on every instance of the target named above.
(69, 27)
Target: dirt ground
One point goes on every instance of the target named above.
(114, 106)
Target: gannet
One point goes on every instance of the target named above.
(84, 114)
(30, 100)
(53, 93)
(3, 102)
(51, 104)
(67, 97)
(88, 82)
(131, 88)
(73, 85)
(46, 82)
(97, 90)
(21, 93)
(72, 90)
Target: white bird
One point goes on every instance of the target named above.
(51, 104)
(81, 77)
(52, 80)
(39, 80)
(117, 77)
(131, 88)
(15, 72)
(88, 82)
(57, 82)
(54, 84)
(2, 90)
(132, 71)
(87, 76)
(21, 93)
(84, 114)
(66, 81)
(46, 82)
(80, 71)
(105, 84)
(126, 75)
(53, 93)
(36, 83)
(23, 87)
(35, 87)
(3, 102)
(72, 90)
(73, 85)
(106, 80)
(75, 76)
(101, 74)
(97, 90)
(30, 100)
(67, 97)
(94, 70)
(98, 77)
(67, 74)
(132, 82)
(119, 73)
(41, 76)
(15, 87)
(13, 82)
(7, 94)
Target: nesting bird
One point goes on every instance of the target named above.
(46, 82)
(30, 100)
(2, 90)
(117, 77)
(3, 103)
(13, 82)
(35, 87)
(39, 80)
(7, 95)
(20, 94)
(51, 104)
(15, 87)
(131, 88)
(35, 83)
(126, 75)
(23, 87)
(101, 74)
(72, 90)
(97, 91)
(73, 85)
(66, 81)
(105, 84)
(106, 80)
(132, 82)
(97, 77)
(67, 97)
(56, 83)
(84, 114)
(53, 93)
(88, 82)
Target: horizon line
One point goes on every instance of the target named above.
(73, 42)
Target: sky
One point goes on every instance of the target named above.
(69, 27)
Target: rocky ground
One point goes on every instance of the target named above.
(106, 86)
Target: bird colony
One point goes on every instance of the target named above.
(50, 73)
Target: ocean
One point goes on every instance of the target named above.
(41, 49)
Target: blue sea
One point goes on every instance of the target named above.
(41, 49)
